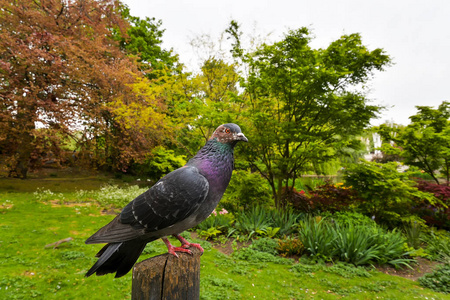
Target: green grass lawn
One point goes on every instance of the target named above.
(29, 270)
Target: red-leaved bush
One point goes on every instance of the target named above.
(326, 197)
(439, 214)
(297, 199)
(332, 198)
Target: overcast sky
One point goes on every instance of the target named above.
(416, 34)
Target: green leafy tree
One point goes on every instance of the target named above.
(143, 39)
(197, 103)
(303, 105)
(426, 141)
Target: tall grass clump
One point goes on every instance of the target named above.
(355, 244)
(413, 232)
(316, 237)
(286, 220)
(254, 221)
(391, 249)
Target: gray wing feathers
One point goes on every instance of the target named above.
(171, 200)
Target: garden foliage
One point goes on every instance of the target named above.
(161, 162)
(437, 214)
(386, 194)
(355, 244)
(438, 280)
(245, 191)
(331, 197)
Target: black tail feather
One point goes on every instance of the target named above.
(117, 257)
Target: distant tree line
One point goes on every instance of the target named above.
(88, 77)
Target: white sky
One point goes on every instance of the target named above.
(415, 33)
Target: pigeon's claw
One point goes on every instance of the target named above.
(188, 245)
(185, 244)
(173, 250)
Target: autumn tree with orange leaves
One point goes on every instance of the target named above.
(63, 74)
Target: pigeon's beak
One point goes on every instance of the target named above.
(241, 137)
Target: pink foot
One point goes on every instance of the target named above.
(185, 244)
(173, 250)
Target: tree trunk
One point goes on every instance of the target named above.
(167, 277)
(24, 149)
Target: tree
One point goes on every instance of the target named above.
(303, 105)
(426, 141)
(62, 69)
(143, 39)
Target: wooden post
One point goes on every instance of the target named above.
(167, 277)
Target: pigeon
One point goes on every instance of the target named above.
(178, 201)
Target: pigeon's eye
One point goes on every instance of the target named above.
(227, 130)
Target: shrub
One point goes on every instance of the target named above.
(385, 193)
(218, 220)
(353, 244)
(296, 199)
(349, 218)
(161, 162)
(413, 232)
(290, 246)
(391, 249)
(332, 197)
(437, 215)
(438, 280)
(217, 223)
(245, 190)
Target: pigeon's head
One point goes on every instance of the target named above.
(229, 134)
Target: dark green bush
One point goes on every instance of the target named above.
(391, 249)
(346, 218)
(161, 162)
(216, 224)
(385, 193)
(438, 245)
(246, 190)
(356, 244)
(413, 232)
